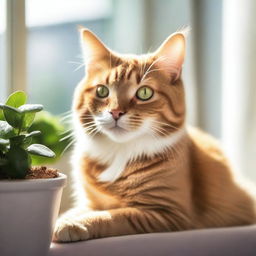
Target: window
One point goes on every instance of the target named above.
(132, 26)
(2, 49)
(54, 66)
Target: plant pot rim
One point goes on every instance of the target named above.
(33, 184)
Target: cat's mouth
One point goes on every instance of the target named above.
(117, 128)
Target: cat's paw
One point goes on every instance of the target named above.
(68, 230)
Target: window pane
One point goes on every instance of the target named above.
(2, 50)
(54, 63)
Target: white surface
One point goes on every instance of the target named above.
(238, 241)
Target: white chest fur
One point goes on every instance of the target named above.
(116, 155)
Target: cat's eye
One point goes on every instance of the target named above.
(144, 93)
(102, 91)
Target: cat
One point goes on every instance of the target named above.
(138, 168)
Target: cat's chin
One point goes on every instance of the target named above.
(119, 135)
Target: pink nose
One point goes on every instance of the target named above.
(116, 113)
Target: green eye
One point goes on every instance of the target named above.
(102, 91)
(144, 93)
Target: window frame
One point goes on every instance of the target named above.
(15, 43)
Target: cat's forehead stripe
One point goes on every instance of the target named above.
(116, 75)
(107, 79)
(129, 74)
(138, 78)
(122, 73)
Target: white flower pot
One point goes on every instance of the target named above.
(28, 211)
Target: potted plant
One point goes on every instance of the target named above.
(29, 196)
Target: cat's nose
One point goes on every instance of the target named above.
(116, 113)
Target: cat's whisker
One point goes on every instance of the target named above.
(153, 134)
(154, 70)
(67, 132)
(82, 65)
(160, 132)
(64, 134)
(66, 118)
(88, 128)
(159, 129)
(66, 112)
(67, 147)
(96, 129)
(152, 64)
(144, 61)
(74, 62)
(165, 124)
(87, 123)
(67, 137)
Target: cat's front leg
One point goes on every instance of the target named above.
(68, 227)
(116, 222)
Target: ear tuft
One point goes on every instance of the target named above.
(185, 30)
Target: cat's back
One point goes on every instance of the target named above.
(205, 144)
(216, 191)
(208, 162)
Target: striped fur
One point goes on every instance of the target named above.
(147, 171)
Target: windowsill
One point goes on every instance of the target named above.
(235, 241)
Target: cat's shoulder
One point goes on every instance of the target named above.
(205, 143)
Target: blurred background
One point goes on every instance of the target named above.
(40, 54)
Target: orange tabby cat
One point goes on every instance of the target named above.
(137, 167)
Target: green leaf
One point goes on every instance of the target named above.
(18, 163)
(31, 108)
(34, 133)
(40, 150)
(29, 138)
(6, 131)
(29, 112)
(27, 142)
(13, 116)
(16, 99)
(17, 140)
(4, 142)
(1, 114)
(3, 161)
(3, 148)
(27, 120)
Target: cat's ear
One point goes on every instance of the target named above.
(95, 53)
(170, 55)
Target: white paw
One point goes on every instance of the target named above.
(69, 230)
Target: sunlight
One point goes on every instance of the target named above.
(48, 12)
(2, 16)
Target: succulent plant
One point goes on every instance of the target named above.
(16, 145)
